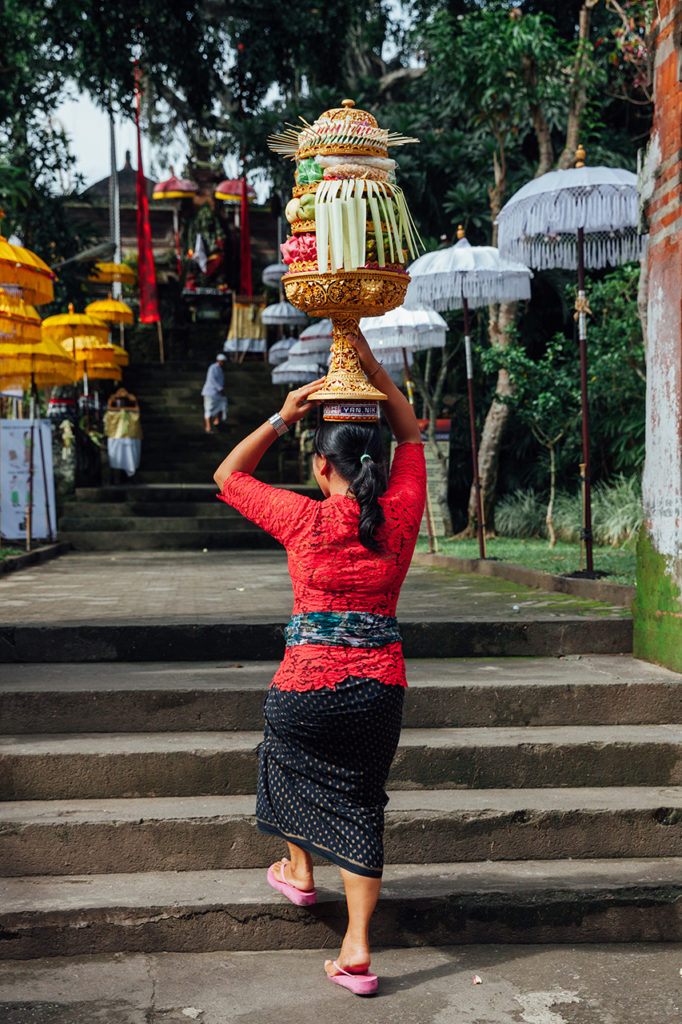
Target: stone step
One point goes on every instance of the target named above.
(204, 492)
(153, 537)
(221, 522)
(260, 639)
(106, 510)
(96, 765)
(443, 826)
(442, 693)
(501, 902)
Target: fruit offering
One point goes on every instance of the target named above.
(347, 213)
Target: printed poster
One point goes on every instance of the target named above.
(15, 467)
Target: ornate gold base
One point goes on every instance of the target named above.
(345, 297)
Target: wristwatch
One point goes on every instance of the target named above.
(277, 424)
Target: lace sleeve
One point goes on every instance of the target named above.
(407, 478)
(279, 512)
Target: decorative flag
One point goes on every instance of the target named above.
(245, 282)
(146, 274)
(200, 255)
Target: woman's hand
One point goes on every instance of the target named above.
(296, 404)
(368, 361)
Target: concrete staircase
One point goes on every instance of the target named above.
(170, 502)
(532, 800)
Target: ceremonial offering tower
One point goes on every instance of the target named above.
(351, 238)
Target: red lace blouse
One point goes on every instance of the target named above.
(331, 570)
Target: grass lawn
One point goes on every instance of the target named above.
(6, 552)
(537, 554)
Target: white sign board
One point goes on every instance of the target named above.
(15, 468)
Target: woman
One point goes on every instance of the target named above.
(333, 712)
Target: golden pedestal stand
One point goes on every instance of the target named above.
(345, 297)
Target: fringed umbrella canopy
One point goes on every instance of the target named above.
(72, 324)
(120, 355)
(278, 353)
(230, 191)
(283, 313)
(299, 369)
(101, 370)
(89, 348)
(539, 224)
(18, 320)
(174, 188)
(477, 273)
(22, 269)
(273, 274)
(45, 356)
(407, 327)
(321, 330)
(112, 311)
(108, 273)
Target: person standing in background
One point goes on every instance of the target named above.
(213, 392)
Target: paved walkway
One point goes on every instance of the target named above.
(245, 586)
(616, 984)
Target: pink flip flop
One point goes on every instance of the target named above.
(360, 984)
(301, 897)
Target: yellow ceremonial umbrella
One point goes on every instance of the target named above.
(112, 311)
(108, 273)
(68, 325)
(18, 320)
(102, 370)
(31, 366)
(26, 358)
(120, 355)
(20, 268)
(87, 348)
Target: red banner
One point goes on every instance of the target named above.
(245, 282)
(146, 273)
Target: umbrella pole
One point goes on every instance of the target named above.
(29, 504)
(480, 527)
(50, 533)
(176, 232)
(430, 531)
(586, 532)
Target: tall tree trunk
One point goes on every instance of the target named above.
(549, 518)
(432, 402)
(578, 90)
(501, 318)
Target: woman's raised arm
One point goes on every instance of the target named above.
(245, 456)
(396, 408)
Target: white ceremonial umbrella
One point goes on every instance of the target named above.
(299, 368)
(279, 352)
(274, 273)
(461, 276)
(577, 218)
(408, 327)
(283, 313)
(321, 330)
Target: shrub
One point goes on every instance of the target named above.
(521, 514)
(616, 513)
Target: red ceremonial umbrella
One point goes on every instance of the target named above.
(176, 189)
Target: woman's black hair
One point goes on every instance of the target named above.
(344, 445)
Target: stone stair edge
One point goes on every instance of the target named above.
(160, 641)
(554, 901)
(186, 834)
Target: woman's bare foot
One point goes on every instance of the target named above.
(353, 958)
(284, 871)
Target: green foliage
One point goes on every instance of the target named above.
(521, 514)
(616, 513)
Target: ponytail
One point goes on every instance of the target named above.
(356, 453)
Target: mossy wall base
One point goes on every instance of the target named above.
(657, 608)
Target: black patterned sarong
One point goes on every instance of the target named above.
(323, 766)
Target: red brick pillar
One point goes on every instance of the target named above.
(658, 606)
